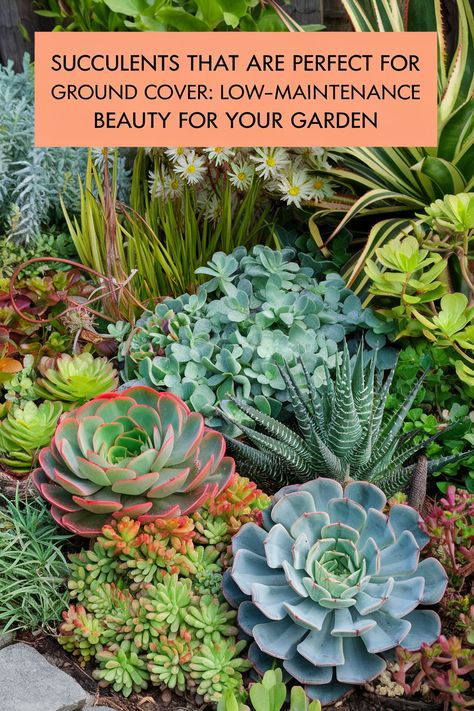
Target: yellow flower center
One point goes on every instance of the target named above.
(180, 151)
(294, 190)
(271, 162)
(174, 184)
(241, 176)
(191, 169)
(218, 150)
(318, 184)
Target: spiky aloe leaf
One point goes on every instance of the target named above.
(345, 428)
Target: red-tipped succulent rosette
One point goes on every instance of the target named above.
(138, 453)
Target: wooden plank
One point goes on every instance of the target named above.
(306, 12)
(15, 15)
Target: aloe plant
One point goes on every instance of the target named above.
(137, 453)
(342, 433)
(330, 583)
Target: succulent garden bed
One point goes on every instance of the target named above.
(237, 403)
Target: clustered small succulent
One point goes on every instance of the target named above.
(147, 602)
(256, 307)
(37, 395)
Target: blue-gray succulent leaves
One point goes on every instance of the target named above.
(329, 583)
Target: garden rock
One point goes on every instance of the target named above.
(30, 683)
(6, 639)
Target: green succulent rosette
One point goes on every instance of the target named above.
(330, 583)
(138, 453)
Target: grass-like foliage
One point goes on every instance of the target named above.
(33, 567)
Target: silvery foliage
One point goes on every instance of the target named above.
(32, 180)
(256, 310)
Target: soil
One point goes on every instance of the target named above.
(155, 699)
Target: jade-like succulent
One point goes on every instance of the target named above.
(218, 667)
(80, 633)
(330, 583)
(23, 431)
(170, 665)
(123, 669)
(166, 604)
(94, 566)
(75, 379)
(211, 620)
(137, 453)
(342, 433)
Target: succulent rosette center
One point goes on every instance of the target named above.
(331, 582)
(138, 453)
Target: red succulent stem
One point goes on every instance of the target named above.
(86, 304)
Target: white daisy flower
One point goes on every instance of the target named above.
(240, 175)
(212, 207)
(219, 155)
(157, 185)
(173, 186)
(321, 187)
(175, 153)
(269, 161)
(191, 167)
(295, 188)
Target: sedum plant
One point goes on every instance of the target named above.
(137, 595)
(123, 669)
(342, 433)
(23, 431)
(222, 340)
(331, 583)
(75, 379)
(138, 453)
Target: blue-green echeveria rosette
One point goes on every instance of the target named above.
(330, 583)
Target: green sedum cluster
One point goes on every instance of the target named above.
(221, 341)
(23, 431)
(146, 601)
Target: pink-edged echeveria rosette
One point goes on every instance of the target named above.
(137, 453)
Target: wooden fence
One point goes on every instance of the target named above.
(18, 22)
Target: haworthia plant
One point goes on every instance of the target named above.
(341, 433)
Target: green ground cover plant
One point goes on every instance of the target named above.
(171, 15)
(33, 566)
(222, 340)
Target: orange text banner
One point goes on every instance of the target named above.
(236, 89)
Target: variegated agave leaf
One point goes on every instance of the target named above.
(137, 453)
(341, 433)
(330, 583)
